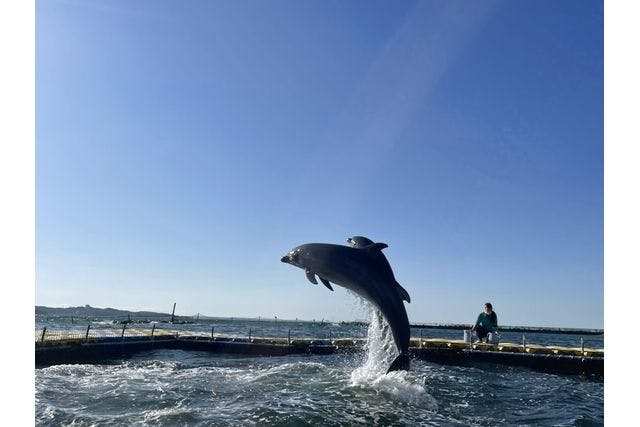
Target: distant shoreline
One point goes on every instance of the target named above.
(94, 312)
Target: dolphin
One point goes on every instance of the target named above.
(361, 242)
(360, 270)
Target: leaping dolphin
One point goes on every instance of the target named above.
(363, 242)
(360, 270)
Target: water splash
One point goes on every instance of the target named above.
(380, 351)
(174, 387)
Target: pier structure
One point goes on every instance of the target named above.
(53, 348)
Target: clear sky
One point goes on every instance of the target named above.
(183, 147)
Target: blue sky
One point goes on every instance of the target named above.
(183, 148)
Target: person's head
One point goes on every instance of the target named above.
(488, 308)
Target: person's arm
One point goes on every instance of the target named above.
(473, 328)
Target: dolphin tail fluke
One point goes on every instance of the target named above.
(401, 363)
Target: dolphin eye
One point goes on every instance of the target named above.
(294, 255)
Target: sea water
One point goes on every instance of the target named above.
(176, 388)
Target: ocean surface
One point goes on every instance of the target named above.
(180, 388)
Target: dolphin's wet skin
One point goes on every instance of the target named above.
(361, 268)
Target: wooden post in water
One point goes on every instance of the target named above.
(289, 337)
(173, 312)
(212, 331)
(123, 328)
(43, 332)
(153, 329)
(249, 334)
(420, 337)
(86, 336)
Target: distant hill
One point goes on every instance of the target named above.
(88, 311)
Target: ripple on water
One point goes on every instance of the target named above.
(173, 387)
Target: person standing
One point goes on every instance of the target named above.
(487, 322)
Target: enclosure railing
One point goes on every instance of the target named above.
(79, 333)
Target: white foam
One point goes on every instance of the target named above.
(380, 353)
(380, 350)
(157, 415)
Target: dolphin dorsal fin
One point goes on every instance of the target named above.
(403, 293)
(376, 246)
(326, 283)
(311, 276)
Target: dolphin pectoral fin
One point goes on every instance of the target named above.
(401, 363)
(377, 246)
(403, 293)
(326, 283)
(311, 276)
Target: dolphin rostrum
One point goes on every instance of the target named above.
(361, 270)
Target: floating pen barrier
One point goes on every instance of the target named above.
(102, 345)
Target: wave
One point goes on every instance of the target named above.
(372, 374)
